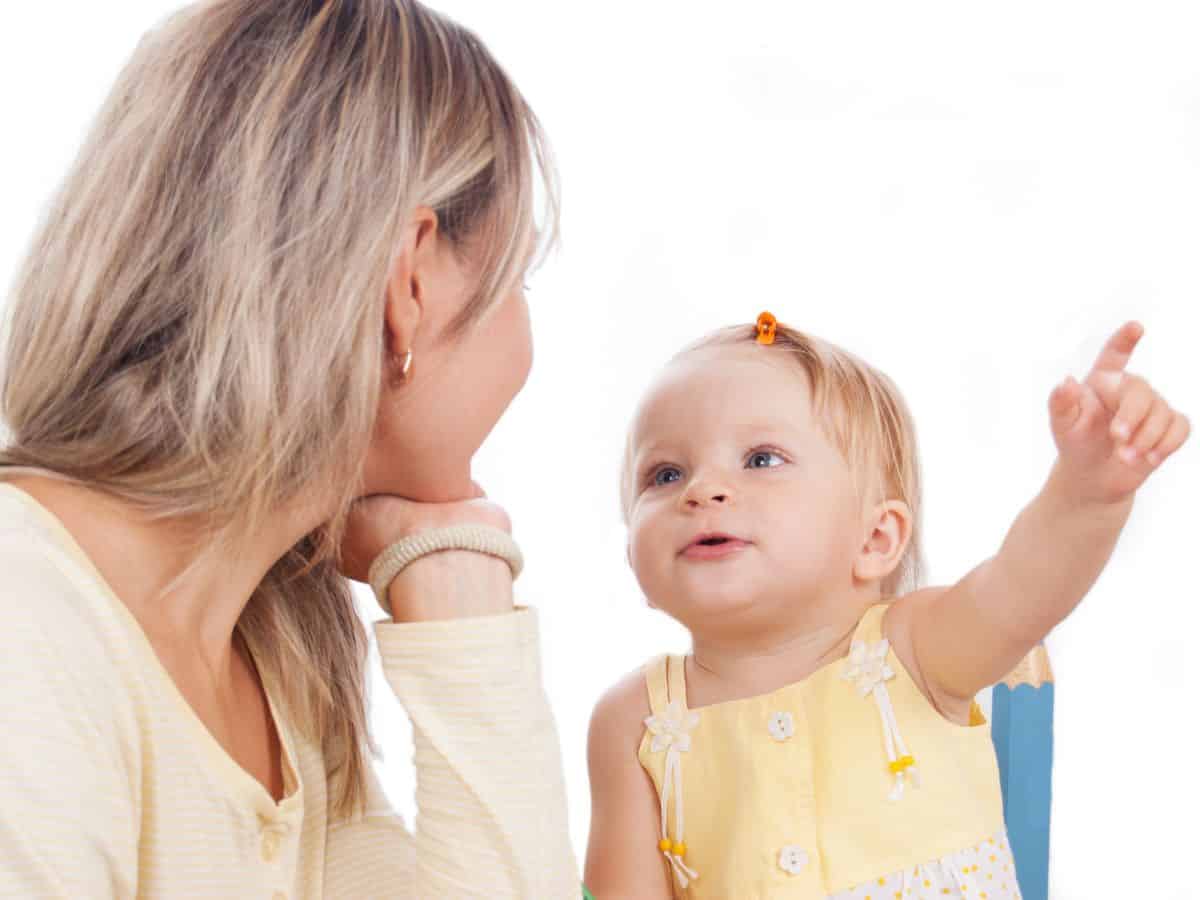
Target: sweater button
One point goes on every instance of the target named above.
(270, 846)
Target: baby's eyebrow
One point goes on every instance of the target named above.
(642, 462)
(644, 458)
(747, 433)
(771, 428)
(640, 450)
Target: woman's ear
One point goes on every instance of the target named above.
(408, 280)
(889, 528)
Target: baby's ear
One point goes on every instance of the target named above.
(888, 530)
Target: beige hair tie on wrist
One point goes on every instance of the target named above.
(477, 538)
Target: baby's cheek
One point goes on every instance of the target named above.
(813, 547)
(645, 560)
(638, 552)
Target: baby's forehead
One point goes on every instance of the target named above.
(738, 382)
(744, 368)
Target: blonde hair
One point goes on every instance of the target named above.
(862, 414)
(198, 325)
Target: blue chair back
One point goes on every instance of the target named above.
(1023, 734)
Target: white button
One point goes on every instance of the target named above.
(793, 859)
(780, 725)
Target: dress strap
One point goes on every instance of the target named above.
(870, 626)
(656, 685)
(676, 686)
(664, 683)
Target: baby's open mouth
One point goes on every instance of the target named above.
(712, 546)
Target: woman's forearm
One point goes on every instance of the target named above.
(490, 788)
(452, 584)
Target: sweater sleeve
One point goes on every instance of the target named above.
(491, 803)
(68, 800)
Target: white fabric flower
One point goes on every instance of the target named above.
(867, 665)
(793, 859)
(672, 727)
(780, 725)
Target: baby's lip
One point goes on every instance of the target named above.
(713, 538)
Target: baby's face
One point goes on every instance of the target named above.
(741, 507)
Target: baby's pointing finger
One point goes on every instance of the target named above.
(1115, 353)
(1107, 373)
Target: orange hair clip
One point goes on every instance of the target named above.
(766, 328)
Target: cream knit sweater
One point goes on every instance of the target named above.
(110, 785)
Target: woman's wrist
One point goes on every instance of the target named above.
(451, 584)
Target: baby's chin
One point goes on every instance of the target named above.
(709, 605)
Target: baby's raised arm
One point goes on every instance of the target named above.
(623, 861)
(1112, 431)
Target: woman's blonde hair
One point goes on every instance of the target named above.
(198, 326)
(862, 414)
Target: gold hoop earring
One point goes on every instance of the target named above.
(406, 368)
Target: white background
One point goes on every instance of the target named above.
(970, 197)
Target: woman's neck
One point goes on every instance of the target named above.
(138, 558)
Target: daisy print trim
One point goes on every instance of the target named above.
(985, 871)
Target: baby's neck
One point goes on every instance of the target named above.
(722, 668)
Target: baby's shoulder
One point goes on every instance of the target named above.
(618, 718)
(899, 627)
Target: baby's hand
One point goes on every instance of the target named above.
(1112, 430)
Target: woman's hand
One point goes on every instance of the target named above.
(444, 585)
(380, 520)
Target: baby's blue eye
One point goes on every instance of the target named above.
(761, 459)
(666, 475)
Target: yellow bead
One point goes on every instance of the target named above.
(680, 848)
(664, 845)
(901, 764)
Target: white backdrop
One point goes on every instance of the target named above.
(971, 197)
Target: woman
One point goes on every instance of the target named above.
(280, 290)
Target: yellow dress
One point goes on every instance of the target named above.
(848, 784)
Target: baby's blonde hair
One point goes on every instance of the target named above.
(862, 414)
(198, 326)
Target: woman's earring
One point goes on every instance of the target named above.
(397, 378)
